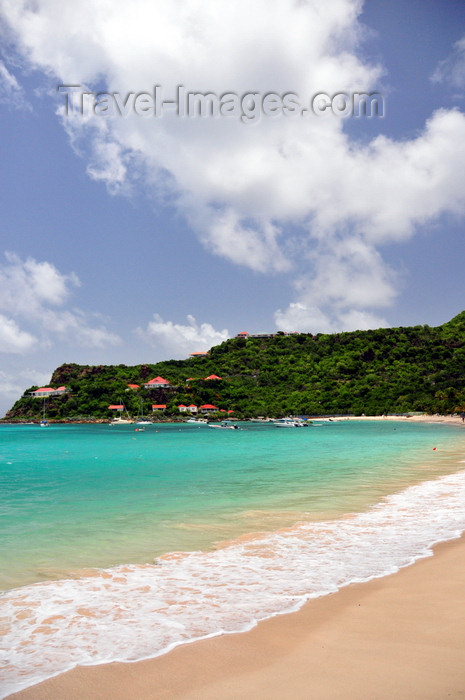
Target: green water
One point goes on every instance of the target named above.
(73, 497)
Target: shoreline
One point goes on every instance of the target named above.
(452, 419)
(266, 661)
(398, 636)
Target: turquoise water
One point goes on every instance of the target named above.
(74, 497)
(120, 545)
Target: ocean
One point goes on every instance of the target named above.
(118, 544)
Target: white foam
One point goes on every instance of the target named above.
(133, 612)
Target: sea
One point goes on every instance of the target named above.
(118, 544)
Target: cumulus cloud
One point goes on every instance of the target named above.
(279, 194)
(179, 340)
(13, 339)
(31, 293)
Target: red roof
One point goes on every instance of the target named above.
(182, 405)
(190, 379)
(192, 405)
(159, 405)
(117, 406)
(61, 388)
(46, 388)
(209, 405)
(133, 386)
(212, 376)
(231, 411)
(158, 380)
(241, 334)
(193, 354)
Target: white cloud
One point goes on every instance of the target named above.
(31, 293)
(284, 193)
(11, 92)
(13, 339)
(452, 69)
(180, 340)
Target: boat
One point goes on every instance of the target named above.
(44, 422)
(224, 425)
(142, 420)
(290, 423)
(122, 421)
(199, 421)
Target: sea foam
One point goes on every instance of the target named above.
(133, 612)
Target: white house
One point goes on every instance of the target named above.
(157, 383)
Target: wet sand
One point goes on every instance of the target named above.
(402, 636)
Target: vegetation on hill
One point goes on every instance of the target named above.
(389, 370)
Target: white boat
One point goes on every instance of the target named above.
(225, 425)
(290, 423)
(200, 421)
(121, 421)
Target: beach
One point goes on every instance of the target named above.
(396, 635)
(400, 637)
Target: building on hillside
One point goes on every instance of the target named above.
(212, 377)
(182, 408)
(133, 386)
(157, 383)
(159, 407)
(192, 408)
(47, 391)
(244, 334)
(204, 353)
(208, 408)
(116, 407)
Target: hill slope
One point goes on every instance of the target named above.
(391, 370)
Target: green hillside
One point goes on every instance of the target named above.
(389, 370)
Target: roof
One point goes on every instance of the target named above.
(192, 405)
(209, 405)
(194, 354)
(46, 388)
(182, 405)
(212, 376)
(116, 406)
(133, 386)
(242, 333)
(159, 405)
(158, 380)
(61, 388)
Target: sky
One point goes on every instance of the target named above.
(131, 232)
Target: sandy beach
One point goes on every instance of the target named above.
(401, 636)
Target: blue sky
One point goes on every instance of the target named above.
(127, 240)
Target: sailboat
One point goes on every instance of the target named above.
(122, 421)
(142, 420)
(44, 422)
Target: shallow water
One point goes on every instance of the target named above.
(332, 504)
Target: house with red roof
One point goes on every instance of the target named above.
(192, 408)
(212, 377)
(182, 408)
(116, 407)
(158, 406)
(208, 408)
(157, 383)
(199, 354)
(47, 391)
(133, 386)
(244, 334)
